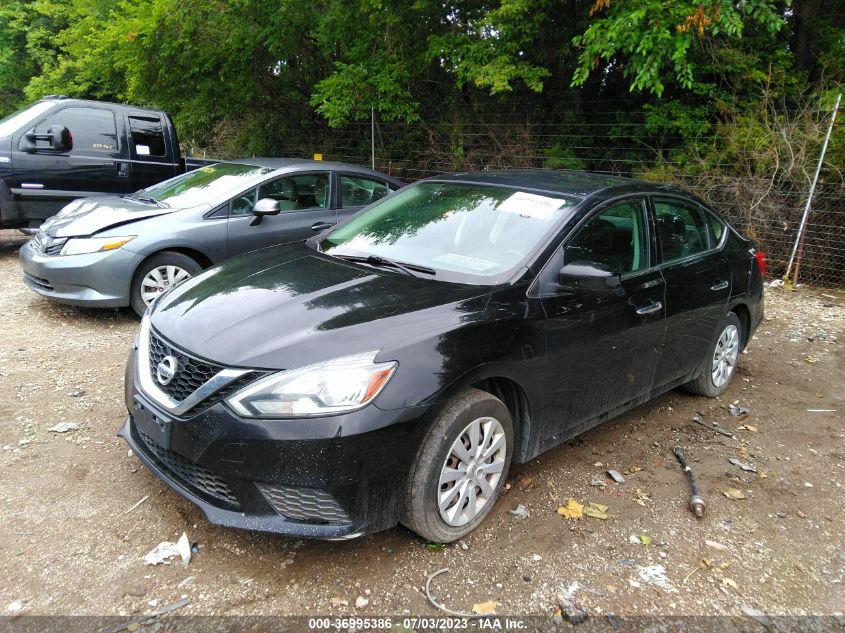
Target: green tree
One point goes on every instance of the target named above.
(653, 41)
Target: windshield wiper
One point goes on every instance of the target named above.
(376, 260)
(150, 200)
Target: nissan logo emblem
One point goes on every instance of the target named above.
(166, 369)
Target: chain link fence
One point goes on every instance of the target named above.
(765, 204)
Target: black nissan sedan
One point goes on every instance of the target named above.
(390, 370)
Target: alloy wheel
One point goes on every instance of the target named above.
(725, 355)
(471, 471)
(160, 279)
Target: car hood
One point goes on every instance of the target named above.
(288, 306)
(88, 216)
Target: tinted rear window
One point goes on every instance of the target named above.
(147, 136)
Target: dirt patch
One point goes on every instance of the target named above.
(69, 546)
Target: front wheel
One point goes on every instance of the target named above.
(721, 360)
(460, 468)
(158, 274)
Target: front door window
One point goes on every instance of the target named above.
(616, 238)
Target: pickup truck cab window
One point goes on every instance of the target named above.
(92, 129)
(147, 136)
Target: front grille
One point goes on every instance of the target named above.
(188, 473)
(48, 245)
(191, 373)
(304, 504)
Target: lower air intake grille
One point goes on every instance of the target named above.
(304, 504)
(190, 474)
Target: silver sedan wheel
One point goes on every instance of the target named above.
(724, 358)
(471, 472)
(160, 279)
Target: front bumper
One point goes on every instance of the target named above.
(94, 280)
(331, 478)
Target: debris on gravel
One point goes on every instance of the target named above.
(69, 546)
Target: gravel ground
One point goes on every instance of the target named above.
(70, 542)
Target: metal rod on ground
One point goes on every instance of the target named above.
(696, 501)
(798, 257)
(373, 136)
(803, 224)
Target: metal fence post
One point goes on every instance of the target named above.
(799, 239)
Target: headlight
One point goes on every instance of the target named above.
(83, 246)
(336, 386)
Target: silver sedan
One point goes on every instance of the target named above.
(114, 251)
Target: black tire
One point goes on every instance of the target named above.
(164, 258)
(703, 384)
(421, 513)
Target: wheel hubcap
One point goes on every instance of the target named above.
(725, 355)
(160, 279)
(471, 472)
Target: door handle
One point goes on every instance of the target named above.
(719, 285)
(654, 306)
(321, 226)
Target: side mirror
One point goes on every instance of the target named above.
(57, 137)
(60, 138)
(587, 275)
(265, 206)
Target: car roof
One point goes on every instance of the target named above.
(572, 183)
(305, 163)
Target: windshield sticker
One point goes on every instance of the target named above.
(531, 205)
(142, 150)
(471, 263)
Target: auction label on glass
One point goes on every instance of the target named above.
(531, 205)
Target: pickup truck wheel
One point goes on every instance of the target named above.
(721, 360)
(460, 468)
(158, 274)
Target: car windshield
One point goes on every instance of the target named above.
(206, 185)
(16, 120)
(467, 233)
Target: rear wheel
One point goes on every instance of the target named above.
(158, 274)
(721, 360)
(460, 468)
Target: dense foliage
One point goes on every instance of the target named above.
(707, 92)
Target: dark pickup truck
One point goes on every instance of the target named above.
(58, 149)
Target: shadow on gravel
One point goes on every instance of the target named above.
(10, 243)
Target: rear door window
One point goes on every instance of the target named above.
(358, 191)
(681, 230)
(147, 135)
(93, 130)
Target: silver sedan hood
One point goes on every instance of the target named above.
(88, 216)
